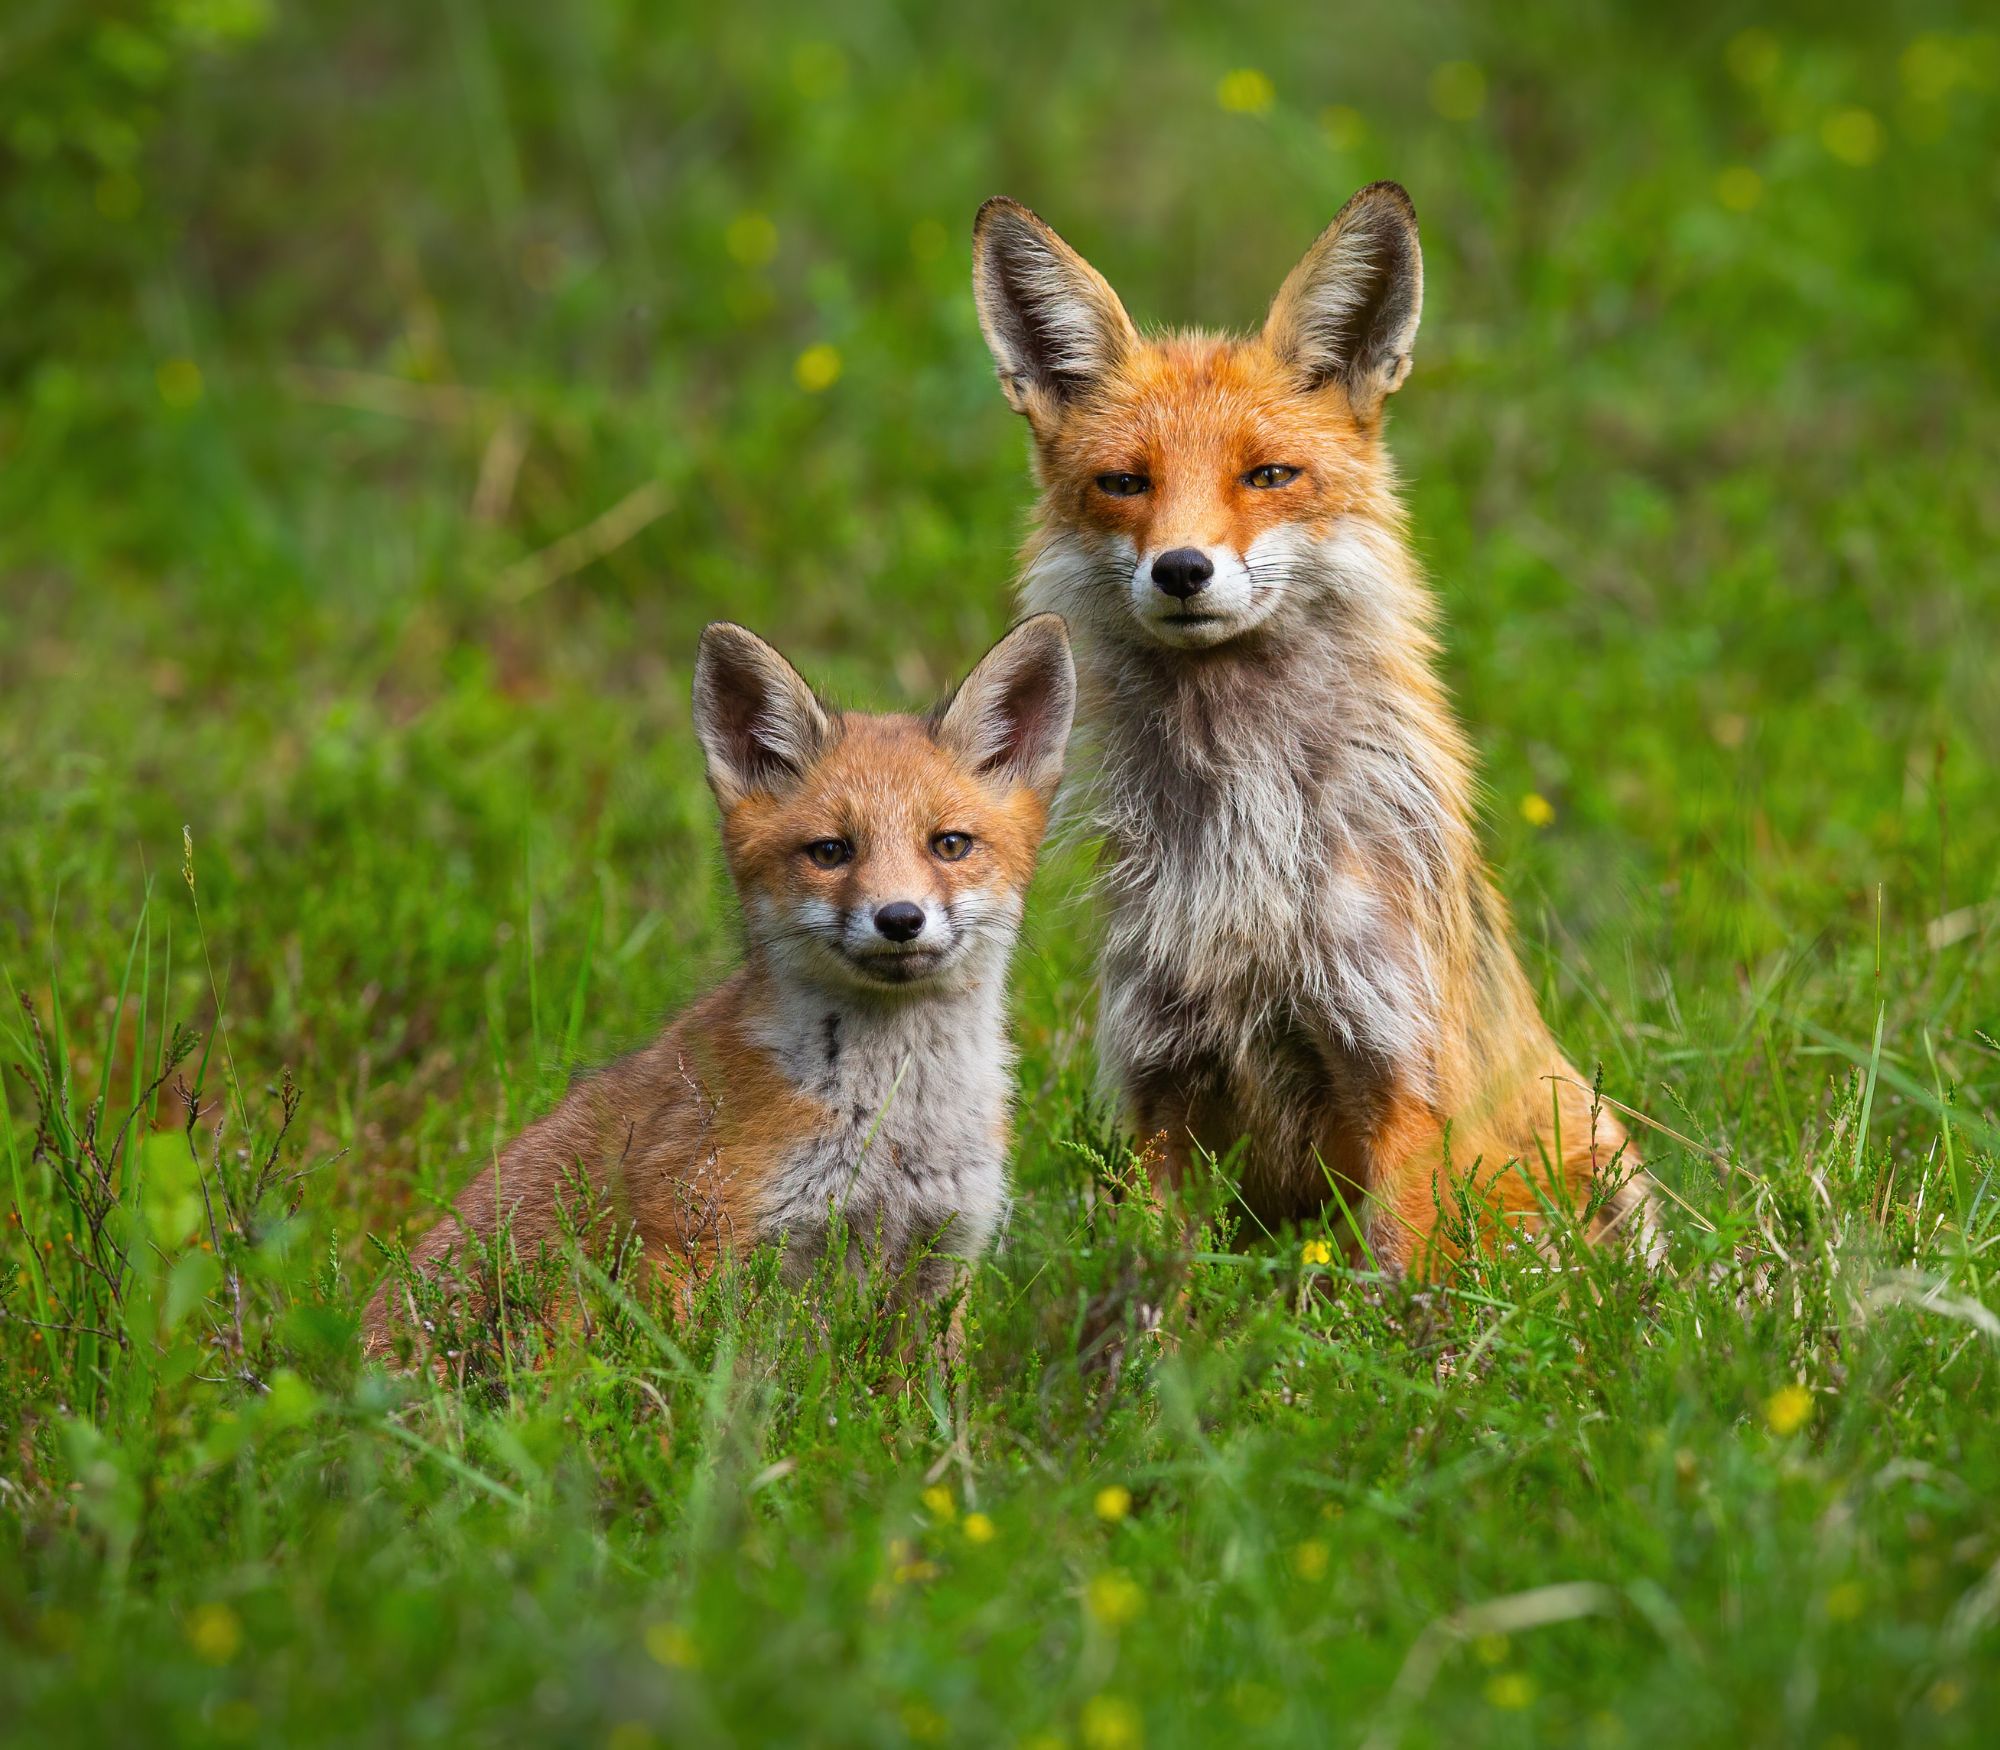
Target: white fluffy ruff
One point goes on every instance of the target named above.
(1269, 828)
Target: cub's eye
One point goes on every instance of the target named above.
(1271, 474)
(1123, 485)
(951, 846)
(829, 853)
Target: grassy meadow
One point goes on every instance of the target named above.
(389, 393)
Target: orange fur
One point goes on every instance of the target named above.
(1148, 445)
(771, 1098)
(887, 786)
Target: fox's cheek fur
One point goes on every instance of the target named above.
(824, 943)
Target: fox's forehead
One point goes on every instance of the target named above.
(881, 779)
(884, 769)
(886, 784)
(1191, 394)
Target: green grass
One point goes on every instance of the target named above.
(330, 327)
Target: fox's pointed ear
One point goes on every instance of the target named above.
(1348, 312)
(1053, 324)
(759, 724)
(1011, 715)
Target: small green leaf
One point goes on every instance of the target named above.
(193, 1278)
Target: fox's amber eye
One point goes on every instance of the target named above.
(951, 846)
(1123, 485)
(1271, 474)
(829, 853)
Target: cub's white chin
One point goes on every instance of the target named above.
(905, 971)
(926, 971)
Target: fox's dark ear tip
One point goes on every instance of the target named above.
(997, 207)
(717, 635)
(1386, 191)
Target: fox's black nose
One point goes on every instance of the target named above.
(1183, 572)
(901, 922)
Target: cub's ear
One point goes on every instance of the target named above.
(759, 724)
(1348, 312)
(1010, 717)
(1053, 325)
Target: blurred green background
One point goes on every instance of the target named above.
(390, 392)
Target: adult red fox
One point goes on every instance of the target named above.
(859, 1063)
(1303, 947)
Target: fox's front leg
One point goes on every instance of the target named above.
(936, 1278)
(1170, 1121)
(951, 1340)
(1170, 1117)
(1166, 1158)
(1401, 1159)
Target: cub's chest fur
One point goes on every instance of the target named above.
(911, 1154)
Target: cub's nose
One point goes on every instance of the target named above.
(1183, 572)
(900, 922)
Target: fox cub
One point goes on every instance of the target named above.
(859, 1063)
(1303, 948)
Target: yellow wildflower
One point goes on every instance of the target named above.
(1786, 1410)
(817, 368)
(214, 1633)
(672, 1646)
(1110, 1722)
(1114, 1599)
(906, 1565)
(1245, 91)
(751, 239)
(1853, 136)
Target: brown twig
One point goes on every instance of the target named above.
(643, 506)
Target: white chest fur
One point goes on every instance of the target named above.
(913, 1157)
(1272, 843)
(1240, 908)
